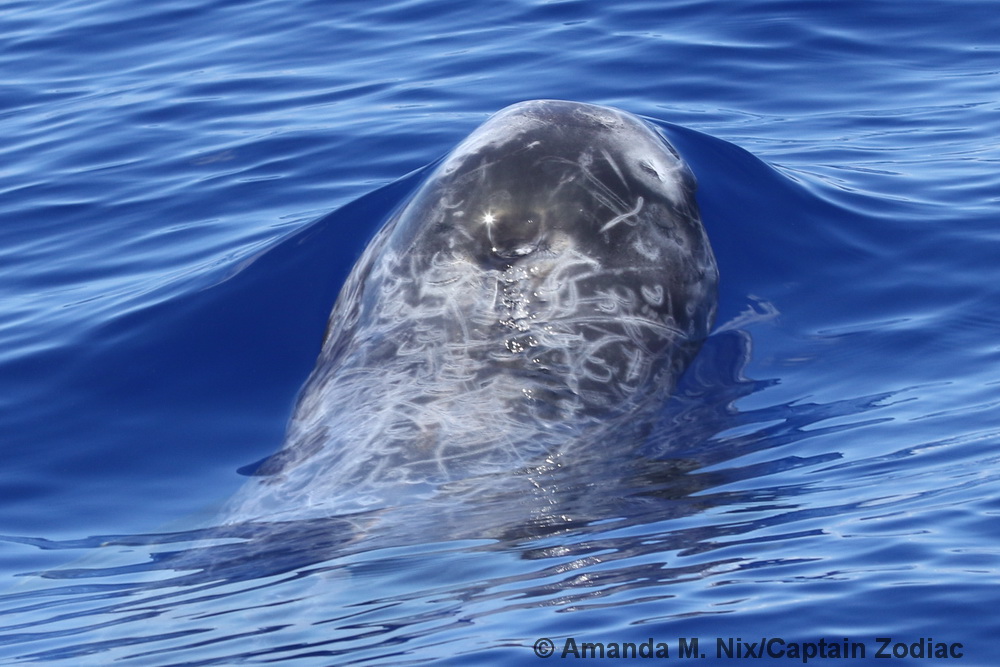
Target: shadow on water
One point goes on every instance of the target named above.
(612, 520)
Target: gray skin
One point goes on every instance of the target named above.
(537, 298)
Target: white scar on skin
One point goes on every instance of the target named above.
(624, 216)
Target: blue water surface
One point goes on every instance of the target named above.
(184, 186)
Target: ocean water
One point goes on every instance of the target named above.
(185, 185)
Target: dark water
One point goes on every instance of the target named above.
(168, 257)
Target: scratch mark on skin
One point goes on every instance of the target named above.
(624, 216)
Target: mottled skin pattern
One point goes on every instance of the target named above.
(540, 294)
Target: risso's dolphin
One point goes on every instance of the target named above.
(537, 297)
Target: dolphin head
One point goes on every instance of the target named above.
(558, 251)
(539, 294)
(548, 185)
(546, 174)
